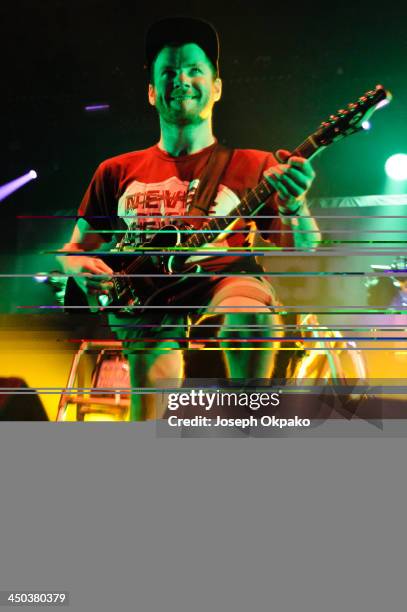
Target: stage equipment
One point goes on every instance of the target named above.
(18, 402)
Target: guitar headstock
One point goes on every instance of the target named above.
(349, 120)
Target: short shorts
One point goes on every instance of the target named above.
(141, 332)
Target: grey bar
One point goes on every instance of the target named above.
(26, 598)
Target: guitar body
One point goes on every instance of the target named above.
(142, 280)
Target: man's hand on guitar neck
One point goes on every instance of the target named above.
(91, 274)
(291, 179)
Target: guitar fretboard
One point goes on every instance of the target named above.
(248, 206)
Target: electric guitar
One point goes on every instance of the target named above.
(167, 251)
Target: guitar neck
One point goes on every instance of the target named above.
(249, 205)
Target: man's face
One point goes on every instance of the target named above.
(184, 89)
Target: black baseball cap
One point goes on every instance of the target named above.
(179, 31)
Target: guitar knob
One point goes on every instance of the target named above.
(103, 300)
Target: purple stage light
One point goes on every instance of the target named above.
(97, 107)
(12, 186)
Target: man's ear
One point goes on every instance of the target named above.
(218, 89)
(151, 94)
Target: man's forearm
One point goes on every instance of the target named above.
(82, 240)
(65, 260)
(306, 233)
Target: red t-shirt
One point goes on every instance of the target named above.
(141, 189)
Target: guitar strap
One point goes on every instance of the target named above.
(209, 181)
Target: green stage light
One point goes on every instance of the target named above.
(396, 167)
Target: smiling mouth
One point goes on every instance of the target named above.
(181, 98)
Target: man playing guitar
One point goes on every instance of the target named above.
(141, 191)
